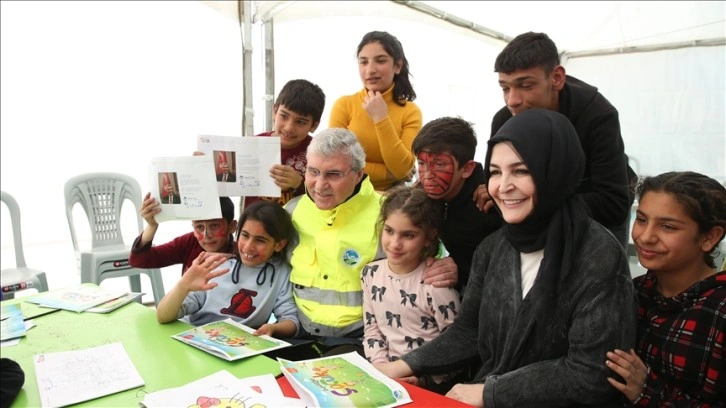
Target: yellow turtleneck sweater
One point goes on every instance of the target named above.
(387, 143)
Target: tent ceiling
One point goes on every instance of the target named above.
(574, 26)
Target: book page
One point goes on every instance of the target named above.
(229, 339)
(221, 389)
(242, 164)
(68, 377)
(185, 187)
(345, 380)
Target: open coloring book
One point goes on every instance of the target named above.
(229, 340)
(223, 389)
(345, 380)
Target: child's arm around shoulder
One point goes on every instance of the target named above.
(196, 278)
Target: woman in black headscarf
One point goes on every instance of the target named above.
(550, 292)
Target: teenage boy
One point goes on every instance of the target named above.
(297, 111)
(531, 76)
(213, 235)
(447, 172)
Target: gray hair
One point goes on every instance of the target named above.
(334, 141)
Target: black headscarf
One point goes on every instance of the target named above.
(548, 144)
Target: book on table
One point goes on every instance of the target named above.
(229, 340)
(345, 380)
(223, 389)
(114, 304)
(12, 325)
(75, 298)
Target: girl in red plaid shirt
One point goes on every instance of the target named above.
(679, 361)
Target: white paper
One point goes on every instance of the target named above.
(69, 377)
(193, 188)
(249, 157)
(221, 389)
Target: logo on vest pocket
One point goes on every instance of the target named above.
(351, 257)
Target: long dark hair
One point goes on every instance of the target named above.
(402, 88)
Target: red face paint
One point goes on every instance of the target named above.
(211, 234)
(436, 171)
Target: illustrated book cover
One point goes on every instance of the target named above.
(345, 380)
(229, 340)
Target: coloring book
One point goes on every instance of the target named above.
(345, 380)
(229, 340)
(223, 389)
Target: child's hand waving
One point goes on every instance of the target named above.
(202, 271)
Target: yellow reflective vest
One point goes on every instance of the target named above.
(333, 246)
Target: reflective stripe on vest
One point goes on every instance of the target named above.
(330, 317)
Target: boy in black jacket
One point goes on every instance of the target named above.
(444, 150)
(531, 76)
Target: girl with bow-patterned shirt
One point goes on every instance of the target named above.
(401, 313)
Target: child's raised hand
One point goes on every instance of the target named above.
(375, 106)
(285, 177)
(202, 271)
(149, 208)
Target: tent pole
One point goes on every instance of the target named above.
(440, 14)
(708, 42)
(269, 28)
(245, 10)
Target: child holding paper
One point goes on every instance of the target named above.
(258, 286)
(297, 112)
(401, 312)
(213, 235)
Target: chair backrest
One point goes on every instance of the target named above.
(101, 195)
(14, 211)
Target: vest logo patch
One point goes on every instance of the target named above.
(351, 257)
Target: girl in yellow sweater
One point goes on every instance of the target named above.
(382, 114)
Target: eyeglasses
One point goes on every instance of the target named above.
(332, 175)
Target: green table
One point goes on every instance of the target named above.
(163, 362)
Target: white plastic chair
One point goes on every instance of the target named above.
(101, 195)
(21, 277)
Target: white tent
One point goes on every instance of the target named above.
(106, 86)
(662, 64)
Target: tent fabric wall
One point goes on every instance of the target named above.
(672, 102)
(106, 86)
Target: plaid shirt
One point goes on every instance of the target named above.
(681, 340)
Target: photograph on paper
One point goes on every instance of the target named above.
(242, 164)
(186, 188)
